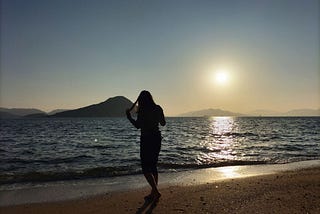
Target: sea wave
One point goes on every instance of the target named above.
(41, 150)
(168, 165)
(47, 176)
(102, 172)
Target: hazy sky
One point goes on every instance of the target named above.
(72, 53)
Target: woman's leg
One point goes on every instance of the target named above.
(149, 157)
(152, 182)
(155, 163)
(155, 175)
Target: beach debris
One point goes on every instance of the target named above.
(179, 210)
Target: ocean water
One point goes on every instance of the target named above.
(58, 149)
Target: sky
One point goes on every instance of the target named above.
(66, 54)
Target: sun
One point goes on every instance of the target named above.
(221, 77)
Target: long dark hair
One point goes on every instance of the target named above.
(145, 102)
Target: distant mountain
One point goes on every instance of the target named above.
(6, 115)
(112, 107)
(295, 112)
(209, 113)
(21, 111)
(40, 115)
(263, 112)
(57, 111)
(303, 112)
(260, 112)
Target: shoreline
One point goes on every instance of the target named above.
(296, 191)
(83, 189)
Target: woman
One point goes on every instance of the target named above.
(148, 119)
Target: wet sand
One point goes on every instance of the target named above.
(284, 192)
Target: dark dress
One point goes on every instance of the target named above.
(150, 144)
(150, 141)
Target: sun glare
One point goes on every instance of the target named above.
(221, 77)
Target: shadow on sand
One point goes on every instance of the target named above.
(148, 206)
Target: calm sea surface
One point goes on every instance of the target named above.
(36, 150)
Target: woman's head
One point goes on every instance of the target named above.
(145, 99)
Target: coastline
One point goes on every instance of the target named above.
(295, 191)
(73, 191)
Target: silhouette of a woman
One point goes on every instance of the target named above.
(149, 116)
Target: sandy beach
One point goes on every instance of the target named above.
(284, 192)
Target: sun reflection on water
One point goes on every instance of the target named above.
(219, 142)
(222, 125)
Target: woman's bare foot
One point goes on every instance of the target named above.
(148, 197)
(156, 195)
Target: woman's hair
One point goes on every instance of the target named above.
(145, 101)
